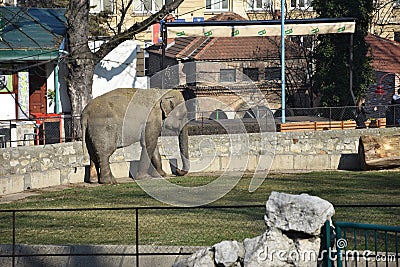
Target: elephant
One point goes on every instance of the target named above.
(124, 116)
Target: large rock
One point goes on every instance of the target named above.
(228, 253)
(275, 248)
(260, 251)
(201, 258)
(292, 238)
(300, 213)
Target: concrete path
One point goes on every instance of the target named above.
(34, 192)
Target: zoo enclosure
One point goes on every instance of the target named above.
(56, 128)
(156, 231)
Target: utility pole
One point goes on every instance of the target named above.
(283, 60)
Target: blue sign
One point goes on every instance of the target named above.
(179, 20)
(198, 19)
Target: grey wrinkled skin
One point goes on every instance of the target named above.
(124, 116)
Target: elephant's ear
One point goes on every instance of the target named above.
(167, 105)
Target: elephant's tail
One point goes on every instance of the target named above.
(84, 124)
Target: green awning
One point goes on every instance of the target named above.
(27, 55)
(31, 34)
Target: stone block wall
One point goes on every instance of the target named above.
(28, 167)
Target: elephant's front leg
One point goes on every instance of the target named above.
(149, 145)
(156, 168)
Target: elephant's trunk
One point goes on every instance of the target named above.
(184, 149)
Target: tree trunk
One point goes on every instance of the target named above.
(379, 152)
(80, 62)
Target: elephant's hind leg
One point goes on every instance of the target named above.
(94, 171)
(106, 176)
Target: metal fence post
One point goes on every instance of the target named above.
(327, 258)
(13, 237)
(338, 248)
(137, 235)
(10, 134)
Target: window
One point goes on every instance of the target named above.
(252, 73)
(397, 36)
(6, 83)
(396, 3)
(301, 4)
(217, 5)
(12, 3)
(151, 6)
(272, 73)
(259, 4)
(101, 5)
(227, 75)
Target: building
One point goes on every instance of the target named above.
(385, 54)
(385, 23)
(224, 72)
(386, 19)
(31, 47)
(200, 10)
(33, 89)
(118, 69)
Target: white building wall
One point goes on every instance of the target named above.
(7, 110)
(65, 103)
(118, 70)
(50, 87)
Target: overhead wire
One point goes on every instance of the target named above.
(62, 57)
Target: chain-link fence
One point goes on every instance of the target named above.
(156, 230)
(56, 128)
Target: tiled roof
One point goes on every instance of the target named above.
(179, 46)
(194, 47)
(226, 16)
(227, 48)
(386, 53)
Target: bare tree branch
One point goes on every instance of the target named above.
(136, 28)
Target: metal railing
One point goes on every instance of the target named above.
(378, 243)
(364, 239)
(38, 131)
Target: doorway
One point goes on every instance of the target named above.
(37, 90)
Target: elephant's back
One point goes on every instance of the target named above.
(118, 100)
(112, 101)
(121, 95)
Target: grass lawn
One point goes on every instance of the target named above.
(193, 226)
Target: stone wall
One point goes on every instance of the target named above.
(28, 167)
